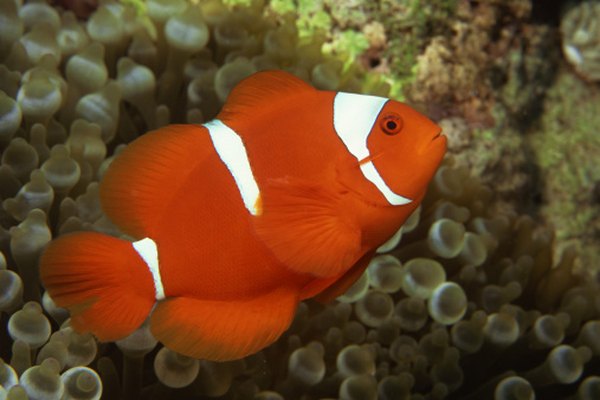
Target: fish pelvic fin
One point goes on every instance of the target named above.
(101, 280)
(220, 330)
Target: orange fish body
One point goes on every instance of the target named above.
(283, 197)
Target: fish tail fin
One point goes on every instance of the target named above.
(102, 280)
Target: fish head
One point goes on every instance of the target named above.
(406, 149)
(396, 148)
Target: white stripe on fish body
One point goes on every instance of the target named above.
(232, 152)
(148, 250)
(353, 118)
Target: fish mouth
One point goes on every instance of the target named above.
(437, 135)
(438, 139)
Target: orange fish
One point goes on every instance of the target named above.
(283, 197)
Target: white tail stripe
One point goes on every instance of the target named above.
(231, 150)
(147, 249)
(353, 118)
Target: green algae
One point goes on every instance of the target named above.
(312, 18)
(138, 5)
(567, 149)
(408, 25)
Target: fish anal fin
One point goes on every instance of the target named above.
(220, 330)
(306, 228)
(141, 181)
(261, 92)
(340, 286)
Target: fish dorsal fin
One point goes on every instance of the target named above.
(306, 228)
(143, 179)
(262, 92)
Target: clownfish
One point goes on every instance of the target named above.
(284, 196)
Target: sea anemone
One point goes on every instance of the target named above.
(580, 32)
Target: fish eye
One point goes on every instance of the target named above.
(391, 124)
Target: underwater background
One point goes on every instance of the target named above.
(492, 291)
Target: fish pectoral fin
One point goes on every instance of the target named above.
(341, 286)
(307, 229)
(221, 330)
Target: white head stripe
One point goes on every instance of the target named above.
(147, 249)
(231, 150)
(353, 119)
